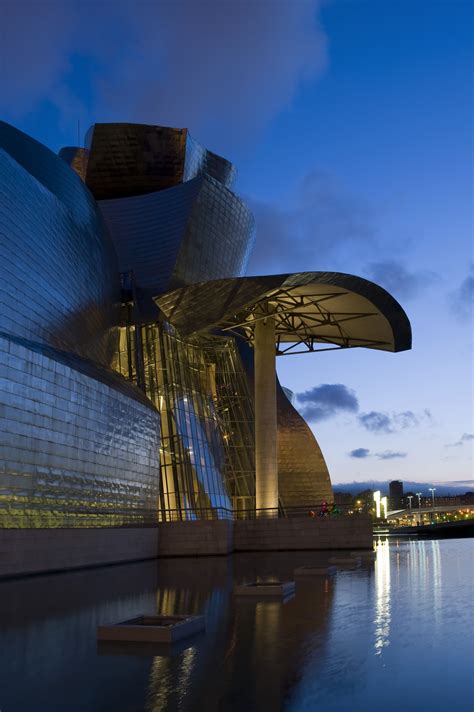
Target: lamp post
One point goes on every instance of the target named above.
(409, 497)
(432, 490)
(420, 516)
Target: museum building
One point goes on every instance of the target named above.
(137, 360)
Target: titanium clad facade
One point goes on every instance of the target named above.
(303, 476)
(200, 160)
(219, 237)
(76, 451)
(79, 446)
(147, 231)
(60, 283)
(193, 232)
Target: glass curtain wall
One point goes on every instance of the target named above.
(207, 442)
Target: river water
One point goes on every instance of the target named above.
(393, 635)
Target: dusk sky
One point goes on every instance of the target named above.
(350, 124)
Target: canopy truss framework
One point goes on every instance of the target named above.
(297, 318)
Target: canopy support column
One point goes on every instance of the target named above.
(266, 463)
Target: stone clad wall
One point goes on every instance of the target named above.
(195, 538)
(300, 533)
(210, 538)
(32, 551)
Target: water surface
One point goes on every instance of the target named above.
(394, 635)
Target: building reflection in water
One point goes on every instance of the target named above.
(243, 661)
(382, 597)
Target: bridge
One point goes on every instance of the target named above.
(416, 512)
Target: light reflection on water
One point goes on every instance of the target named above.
(382, 596)
(392, 635)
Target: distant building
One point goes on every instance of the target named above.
(396, 494)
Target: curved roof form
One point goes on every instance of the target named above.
(313, 311)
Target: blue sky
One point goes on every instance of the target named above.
(351, 127)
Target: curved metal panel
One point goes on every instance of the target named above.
(303, 477)
(219, 237)
(76, 451)
(201, 160)
(77, 159)
(147, 232)
(195, 231)
(60, 282)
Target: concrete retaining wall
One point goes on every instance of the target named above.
(196, 538)
(29, 551)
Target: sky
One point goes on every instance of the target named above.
(350, 123)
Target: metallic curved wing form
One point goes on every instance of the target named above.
(195, 231)
(303, 476)
(312, 310)
(60, 283)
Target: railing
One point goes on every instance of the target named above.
(223, 513)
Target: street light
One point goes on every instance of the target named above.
(409, 497)
(418, 494)
(432, 490)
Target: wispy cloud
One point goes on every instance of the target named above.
(390, 455)
(462, 298)
(384, 423)
(397, 279)
(325, 220)
(376, 422)
(465, 437)
(361, 453)
(327, 400)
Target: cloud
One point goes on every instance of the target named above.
(32, 63)
(465, 437)
(378, 422)
(398, 280)
(389, 455)
(327, 400)
(323, 220)
(462, 298)
(176, 63)
(360, 453)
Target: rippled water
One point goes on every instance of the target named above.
(393, 635)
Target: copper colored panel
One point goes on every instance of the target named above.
(134, 159)
(76, 158)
